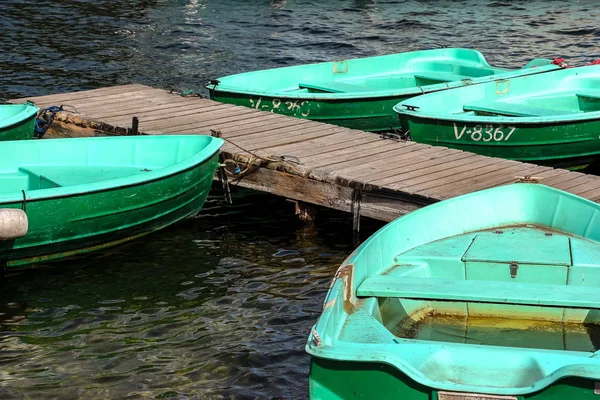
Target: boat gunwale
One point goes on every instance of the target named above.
(572, 115)
(29, 110)
(118, 183)
(378, 94)
(479, 119)
(416, 90)
(379, 353)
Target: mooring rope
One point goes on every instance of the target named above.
(265, 160)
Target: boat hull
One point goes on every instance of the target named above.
(366, 114)
(360, 93)
(332, 379)
(24, 126)
(572, 145)
(62, 226)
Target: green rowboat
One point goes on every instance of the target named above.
(360, 93)
(548, 119)
(61, 197)
(494, 295)
(17, 121)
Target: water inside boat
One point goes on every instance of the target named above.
(510, 332)
(490, 288)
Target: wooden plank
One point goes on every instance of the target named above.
(271, 130)
(263, 141)
(445, 162)
(155, 110)
(335, 172)
(443, 174)
(503, 177)
(235, 120)
(353, 160)
(101, 98)
(239, 127)
(389, 169)
(592, 193)
(289, 139)
(348, 159)
(591, 184)
(123, 99)
(195, 118)
(481, 166)
(556, 180)
(84, 94)
(323, 156)
(589, 181)
(465, 185)
(353, 163)
(477, 183)
(573, 182)
(323, 194)
(338, 141)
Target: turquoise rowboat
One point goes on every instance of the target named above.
(548, 119)
(61, 197)
(494, 295)
(361, 93)
(17, 121)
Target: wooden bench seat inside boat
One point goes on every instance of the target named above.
(480, 291)
(79, 175)
(441, 76)
(334, 87)
(511, 109)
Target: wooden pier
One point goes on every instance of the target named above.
(348, 170)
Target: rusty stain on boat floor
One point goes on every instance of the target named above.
(552, 335)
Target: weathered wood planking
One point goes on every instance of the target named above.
(392, 177)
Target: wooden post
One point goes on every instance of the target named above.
(134, 126)
(223, 178)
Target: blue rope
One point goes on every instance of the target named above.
(44, 120)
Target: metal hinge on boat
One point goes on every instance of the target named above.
(528, 179)
(514, 268)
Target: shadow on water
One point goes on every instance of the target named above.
(219, 305)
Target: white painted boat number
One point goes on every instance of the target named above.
(277, 104)
(487, 133)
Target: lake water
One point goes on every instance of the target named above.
(219, 306)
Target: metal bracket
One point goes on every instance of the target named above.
(410, 108)
(528, 179)
(514, 268)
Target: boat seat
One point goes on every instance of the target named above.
(334, 87)
(79, 174)
(588, 96)
(441, 76)
(496, 292)
(511, 109)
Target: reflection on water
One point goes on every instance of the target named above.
(216, 305)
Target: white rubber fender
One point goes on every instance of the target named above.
(13, 223)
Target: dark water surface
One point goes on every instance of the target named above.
(219, 306)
